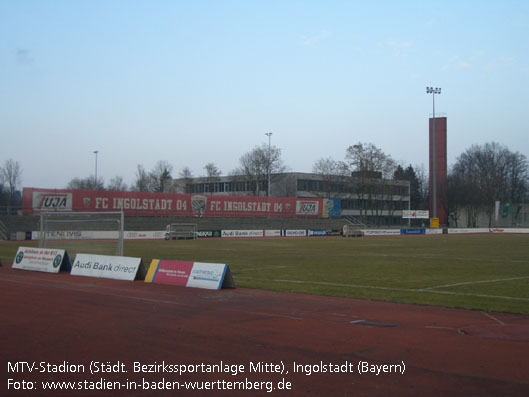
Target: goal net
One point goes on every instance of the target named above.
(83, 232)
(181, 231)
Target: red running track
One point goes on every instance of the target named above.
(53, 319)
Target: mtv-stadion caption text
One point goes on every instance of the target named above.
(164, 375)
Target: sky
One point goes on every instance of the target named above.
(197, 82)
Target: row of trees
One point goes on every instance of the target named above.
(254, 166)
(368, 175)
(366, 160)
(10, 182)
(483, 175)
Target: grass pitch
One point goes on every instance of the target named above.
(481, 272)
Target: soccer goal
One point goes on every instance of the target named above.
(352, 231)
(181, 231)
(83, 232)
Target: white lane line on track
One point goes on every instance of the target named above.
(493, 318)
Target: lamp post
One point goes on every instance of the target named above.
(96, 152)
(433, 91)
(269, 135)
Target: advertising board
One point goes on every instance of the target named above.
(190, 274)
(294, 232)
(35, 201)
(412, 231)
(114, 267)
(415, 214)
(42, 260)
(242, 233)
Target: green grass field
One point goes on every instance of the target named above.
(481, 272)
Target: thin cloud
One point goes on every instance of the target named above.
(502, 62)
(23, 56)
(456, 62)
(397, 47)
(317, 38)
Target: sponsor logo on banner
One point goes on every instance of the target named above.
(52, 201)
(146, 235)
(307, 207)
(415, 214)
(294, 233)
(381, 232)
(169, 272)
(272, 233)
(190, 274)
(198, 204)
(331, 208)
(208, 233)
(319, 233)
(114, 267)
(206, 275)
(41, 260)
(242, 233)
(412, 231)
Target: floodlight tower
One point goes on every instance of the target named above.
(96, 152)
(269, 135)
(433, 91)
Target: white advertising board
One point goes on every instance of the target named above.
(294, 232)
(145, 235)
(41, 260)
(207, 275)
(415, 214)
(307, 207)
(52, 200)
(381, 232)
(434, 231)
(102, 266)
(242, 233)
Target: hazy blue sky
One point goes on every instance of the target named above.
(193, 82)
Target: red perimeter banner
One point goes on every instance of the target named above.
(35, 200)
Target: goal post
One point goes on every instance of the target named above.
(350, 230)
(83, 232)
(181, 231)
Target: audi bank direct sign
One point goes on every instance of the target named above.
(36, 200)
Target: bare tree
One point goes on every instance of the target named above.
(11, 175)
(186, 173)
(117, 184)
(489, 173)
(212, 171)
(212, 176)
(366, 157)
(370, 168)
(144, 181)
(88, 183)
(333, 174)
(257, 165)
(160, 175)
(186, 177)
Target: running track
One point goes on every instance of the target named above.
(56, 318)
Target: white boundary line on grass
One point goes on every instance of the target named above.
(477, 282)
(427, 290)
